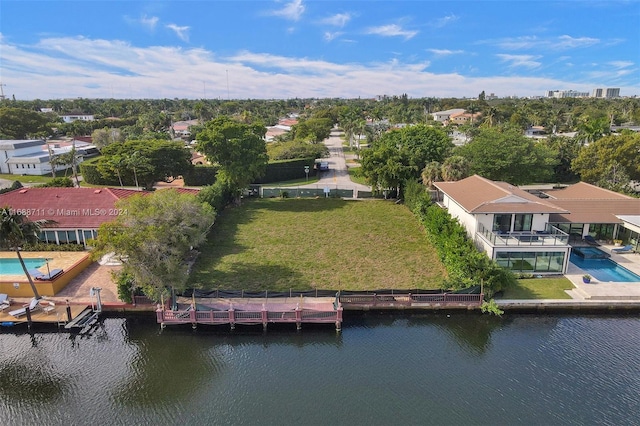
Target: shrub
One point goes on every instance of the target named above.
(91, 175)
(283, 170)
(219, 195)
(125, 284)
(465, 265)
(58, 182)
(200, 176)
(15, 185)
(39, 246)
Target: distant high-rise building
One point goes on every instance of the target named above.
(566, 94)
(608, 93)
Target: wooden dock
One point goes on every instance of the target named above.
(252, 312)
(57, 315)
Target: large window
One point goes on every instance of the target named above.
(502, 222)
(601, 231)
(523, 222)
(531, 262)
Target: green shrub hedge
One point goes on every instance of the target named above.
(465, 265)
(91, 175)
(284, 170)
(200, 176)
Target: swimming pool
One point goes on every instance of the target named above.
(604, 270)
(590, 253)
(9, 266)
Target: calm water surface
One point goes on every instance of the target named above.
(382, 369)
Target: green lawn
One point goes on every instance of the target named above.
(356, 176)
(539, 288)
(27, 178)
(278, 244)
(295, 182)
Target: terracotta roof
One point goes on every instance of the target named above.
(595, 211)
(591, 204)
(479, 195)
(585, 191)
(72, 208)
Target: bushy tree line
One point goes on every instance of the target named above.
(465, 265)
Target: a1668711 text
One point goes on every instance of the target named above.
(53, 212)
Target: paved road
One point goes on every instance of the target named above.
(337, 176)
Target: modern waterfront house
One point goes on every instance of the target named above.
(509, 224)
(532, 233)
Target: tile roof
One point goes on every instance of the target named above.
(591, 204)
(479, 195)
(72, 208)
(584, 191)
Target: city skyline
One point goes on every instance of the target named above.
(314, 49)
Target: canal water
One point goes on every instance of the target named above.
(382, 369)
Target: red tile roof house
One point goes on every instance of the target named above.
(78, 212)
(526, 233)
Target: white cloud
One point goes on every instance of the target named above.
(291, 11)
(391, 30)
(330, 36)
(149, 22)
(621, 64)
(526, 61)
(446, 20)
(445, 52)
(181, 32)
(337, 20)
(568, 42)
(94, 68)
(563, 42)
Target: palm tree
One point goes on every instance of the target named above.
(16, 230)
(431, 173)
(455, 168)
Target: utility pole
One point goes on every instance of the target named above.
(2, 97)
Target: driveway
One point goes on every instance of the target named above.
(337, 177)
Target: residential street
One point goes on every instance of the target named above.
(337, 176)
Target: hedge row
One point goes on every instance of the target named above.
(279, 171)
(200, 176)
(465, 265)
(91, 175)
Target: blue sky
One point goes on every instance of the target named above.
(302, 48)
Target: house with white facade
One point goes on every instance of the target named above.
(32, 157)
(444, 116)
(531, 233)
(509, 224)
(23, 157)
(70, 118)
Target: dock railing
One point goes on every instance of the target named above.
(263, 315)
(380, 301)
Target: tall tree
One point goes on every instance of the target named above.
(155, 236)
(507, 155)
(18, 123)
(16, 230)
(609, 159)
(455, 168)
(238, 149)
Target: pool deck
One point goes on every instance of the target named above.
(598, 290)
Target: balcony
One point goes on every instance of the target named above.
(551, 237)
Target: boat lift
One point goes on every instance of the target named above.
(89, 316)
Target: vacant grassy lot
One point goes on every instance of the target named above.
(278, 244)
(539, 288)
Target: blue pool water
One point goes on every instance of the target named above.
(605, 270)
(10, 266)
